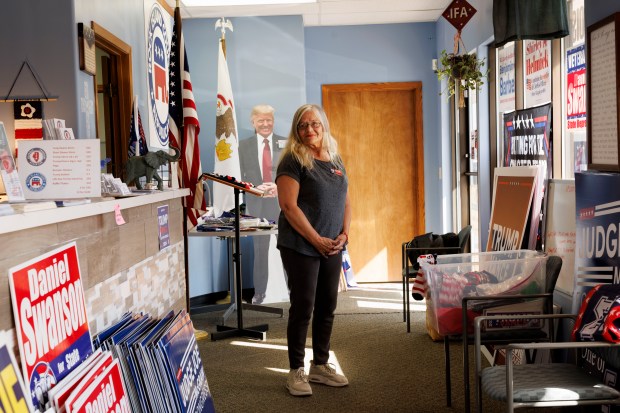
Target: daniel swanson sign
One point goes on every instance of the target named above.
(50, 318)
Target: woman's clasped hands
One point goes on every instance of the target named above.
(327, 246)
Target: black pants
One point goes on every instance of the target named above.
(313, 283)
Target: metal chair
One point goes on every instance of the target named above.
(553, 267)
(542, 384)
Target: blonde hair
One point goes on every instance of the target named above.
(261, 110)
(295, 146)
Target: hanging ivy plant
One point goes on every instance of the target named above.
(464, 70)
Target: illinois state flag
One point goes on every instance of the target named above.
(226, 142)
(28, 117)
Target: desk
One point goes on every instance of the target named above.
(229, 236)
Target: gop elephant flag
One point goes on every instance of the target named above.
(226, 142)
(158, 32)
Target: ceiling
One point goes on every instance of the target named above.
(332, 12)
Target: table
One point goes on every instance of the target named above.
(230, 237)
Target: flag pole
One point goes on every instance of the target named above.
(223, 24)
(180, 138)
(135, 125)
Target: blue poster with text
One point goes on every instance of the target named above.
(597, 254)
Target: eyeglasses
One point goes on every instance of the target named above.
(303, 126)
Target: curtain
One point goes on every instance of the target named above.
(529, 19)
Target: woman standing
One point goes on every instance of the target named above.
(312, 231)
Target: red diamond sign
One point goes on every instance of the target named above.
(458, 13)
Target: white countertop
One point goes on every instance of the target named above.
(18, 222)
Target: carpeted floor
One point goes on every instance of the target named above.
(389, 370)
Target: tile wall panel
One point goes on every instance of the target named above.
(118, 274)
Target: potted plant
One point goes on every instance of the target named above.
(464, 70)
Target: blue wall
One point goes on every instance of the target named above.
(44, 34)
(383, 53)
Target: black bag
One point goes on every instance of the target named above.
(430, 243)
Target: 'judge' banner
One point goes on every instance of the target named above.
(527, 138)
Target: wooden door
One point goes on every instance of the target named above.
(378, 127)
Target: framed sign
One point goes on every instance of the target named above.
(86, 46)
(603, 41)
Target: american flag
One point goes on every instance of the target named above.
(136, 132)
(183, 118)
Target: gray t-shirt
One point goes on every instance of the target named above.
(322, 196)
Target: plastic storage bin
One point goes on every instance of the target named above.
(479, 274)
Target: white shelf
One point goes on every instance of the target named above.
(18, 222)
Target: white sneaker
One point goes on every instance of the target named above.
(326, 374)
(297, 383)
(258, 298)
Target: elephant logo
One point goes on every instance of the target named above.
(158, 58)
(147, 165)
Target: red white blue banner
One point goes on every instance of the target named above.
(158, 32)
(527, 138)
(106, 394)
(576, 88)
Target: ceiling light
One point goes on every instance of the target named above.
(221, 3)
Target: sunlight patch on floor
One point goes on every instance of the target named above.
(379, 305)
(399, 300)
(307, 358)
(258, 344)
(415, 306)
(396, 287)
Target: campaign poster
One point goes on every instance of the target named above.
(13, 396)
(106, 394)
(512, 200)
(158, 35)
(163, 227)
(597, 257)
(537, 70)
(527, 138)
(597, 250)
(576, 88)
(506, 78)
(181, 353)
(50, 318)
